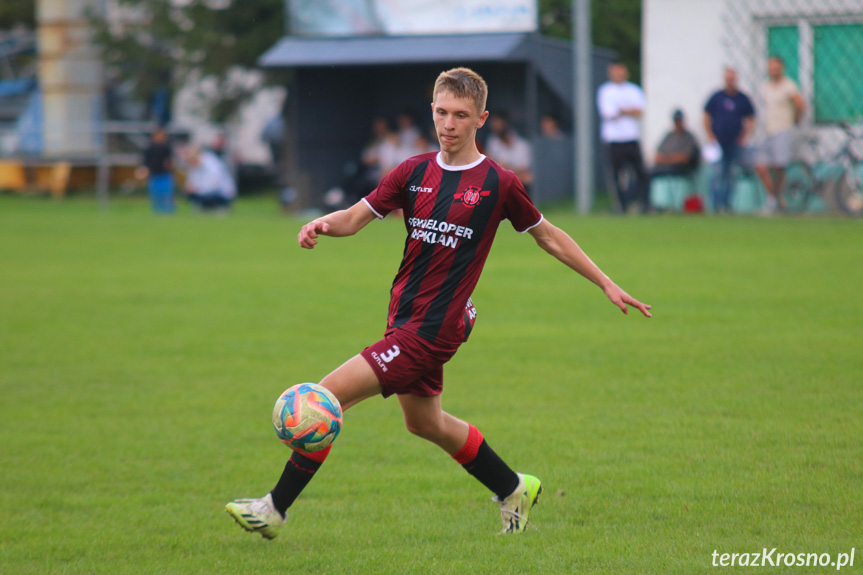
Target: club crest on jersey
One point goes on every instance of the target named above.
(471, 196)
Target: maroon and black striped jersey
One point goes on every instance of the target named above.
(451, 214)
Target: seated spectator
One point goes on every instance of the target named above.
(403, 144)
(209, 185)
(427, 142)
(553, 158)
(378, 151)
(508, 149)
(549, 126)
(678, 153)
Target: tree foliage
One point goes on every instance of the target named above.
(615, 24)
(163, 44)
(17, 13)
(160, 45)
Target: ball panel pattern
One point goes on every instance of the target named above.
(307, 417)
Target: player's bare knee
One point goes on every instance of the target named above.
(427, 429)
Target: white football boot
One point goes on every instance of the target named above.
(257, 515)
(514, 510)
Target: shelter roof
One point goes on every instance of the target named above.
(551, 57)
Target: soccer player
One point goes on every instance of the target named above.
(453, 202)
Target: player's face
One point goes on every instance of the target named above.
(456, 121)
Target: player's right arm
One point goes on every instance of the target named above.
(337, 224)
(561, 245)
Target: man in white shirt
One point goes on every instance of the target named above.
(621, 104)
(783, 108)
(209, 184)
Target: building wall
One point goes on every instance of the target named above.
(682, 62)
(686, 43)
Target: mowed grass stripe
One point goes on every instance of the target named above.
(140, 358)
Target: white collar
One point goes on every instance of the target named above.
(458, 168)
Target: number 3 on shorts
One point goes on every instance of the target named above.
(390, 354)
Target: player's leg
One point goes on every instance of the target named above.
(425, 418)
(351, 383)
(516, 493)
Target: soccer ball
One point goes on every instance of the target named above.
(307, 417)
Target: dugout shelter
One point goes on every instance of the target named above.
(338, 84)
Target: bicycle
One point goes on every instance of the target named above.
(837, 181)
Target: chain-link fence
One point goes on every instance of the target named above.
(821, 45)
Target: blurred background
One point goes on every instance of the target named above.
(286, 91)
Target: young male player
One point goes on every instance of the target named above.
(453, 202)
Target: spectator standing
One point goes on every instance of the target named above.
(621, 104)
(678, 153)
(509, 149)
(783, 109)
(729, 119)
(157, 168)
(209, 185)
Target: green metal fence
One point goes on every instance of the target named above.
(820, 41)
(821, 44)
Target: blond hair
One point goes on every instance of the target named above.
(463, 83)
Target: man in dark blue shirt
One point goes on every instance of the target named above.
(729, 119)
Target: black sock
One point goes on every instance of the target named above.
(299, 470)
(492, 472)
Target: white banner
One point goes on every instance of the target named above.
(403, 17)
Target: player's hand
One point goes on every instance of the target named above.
(622, 299)
(309, 233)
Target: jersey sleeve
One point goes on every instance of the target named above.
(518, 207)
(389, 195)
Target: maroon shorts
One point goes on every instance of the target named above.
(407, 363)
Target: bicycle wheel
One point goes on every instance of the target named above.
(799, 186)
(849, 190)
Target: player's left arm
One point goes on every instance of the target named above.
(559, 244)
(337, 224)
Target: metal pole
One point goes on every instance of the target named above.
(582, 77)
(287, 28)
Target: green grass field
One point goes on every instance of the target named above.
(140, 358)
